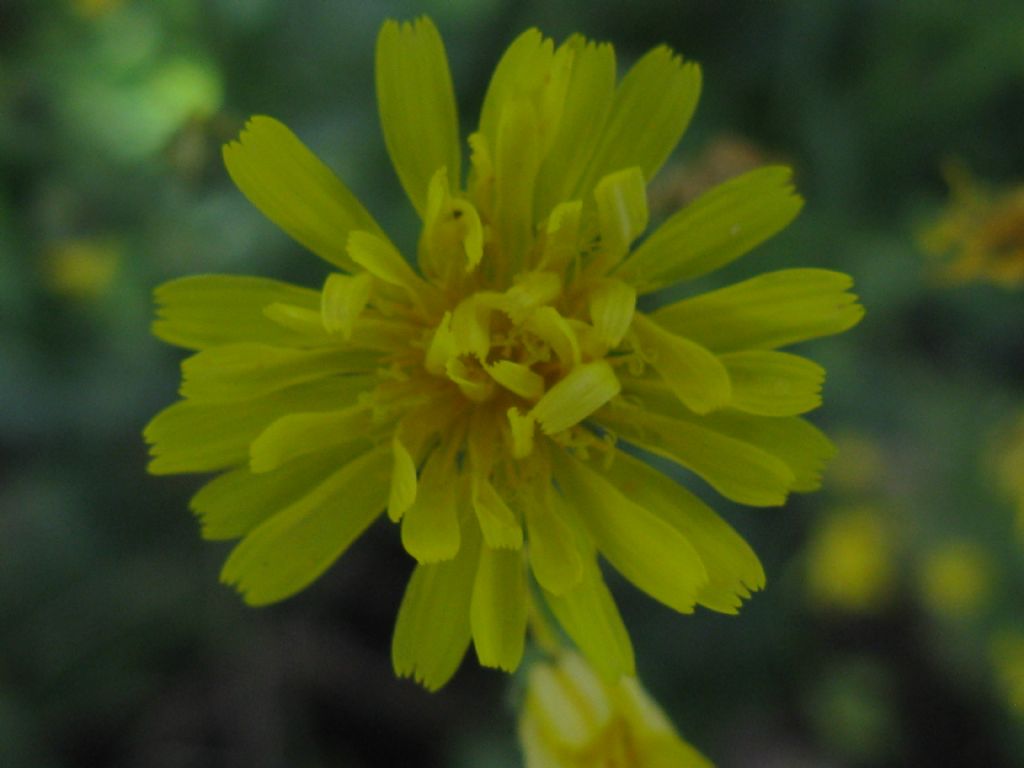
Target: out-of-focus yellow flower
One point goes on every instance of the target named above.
(1007, 651)
(92, 9)
(956, 578)
(981, 231)
(479, 395)
(81, 269)
(572, 718)
(850, 561)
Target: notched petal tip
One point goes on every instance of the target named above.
(416, 102)
(289, 185)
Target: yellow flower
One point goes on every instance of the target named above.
(574, 719)
(956, 578)
(850, 561)
(1007, 654)
(982, 230)
(81, 269)
(478, 396)
(93, 9)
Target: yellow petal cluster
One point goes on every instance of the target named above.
(483, 389)
(980, 232)
(572, 718)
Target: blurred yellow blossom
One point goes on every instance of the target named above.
(92, 9)
(572, 718)
(850, 561)
(981, 231)
(1007, 652)
(82, 268)
(956, 578)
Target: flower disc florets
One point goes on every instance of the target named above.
(483, 396)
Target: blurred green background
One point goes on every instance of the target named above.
(892, 629)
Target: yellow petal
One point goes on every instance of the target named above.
(417, 105)
(481, 174)
(717, 228)
(432, 632)
(442, 347)
(652, 107)
(236, 372)
(344, 299)
(430, 527)
(571, 706)
(531, 290)
(210, 310)
(498, 608)
(800, 445)
(234, 503)
(612, 304)
(736, 469)
(553, 329)
(668, 750)
(403, 480)
(621, 211)
(588, 614)
(203, 437)
(516, 161)
(382, 260)
(498, 523)
(521, 427)
(293, 189)
(517, 378)
(474, 383)
(537, 753)
(291, 549)
(308, 322)
(451, 227)
(471, 328)
(554, 719)
(768, 311)
(768, 383)
(642, 547)
(588, 100)
(562, 235)
(576, 396)
(587, 611)
(732, 567)
(554, 559)
(519, 76)
(299, 434)
(695, 375)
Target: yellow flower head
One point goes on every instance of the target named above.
(479, 395)
(82, 268)
(956, 578)
(574, 719)
(851, 562)
(982, 231)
